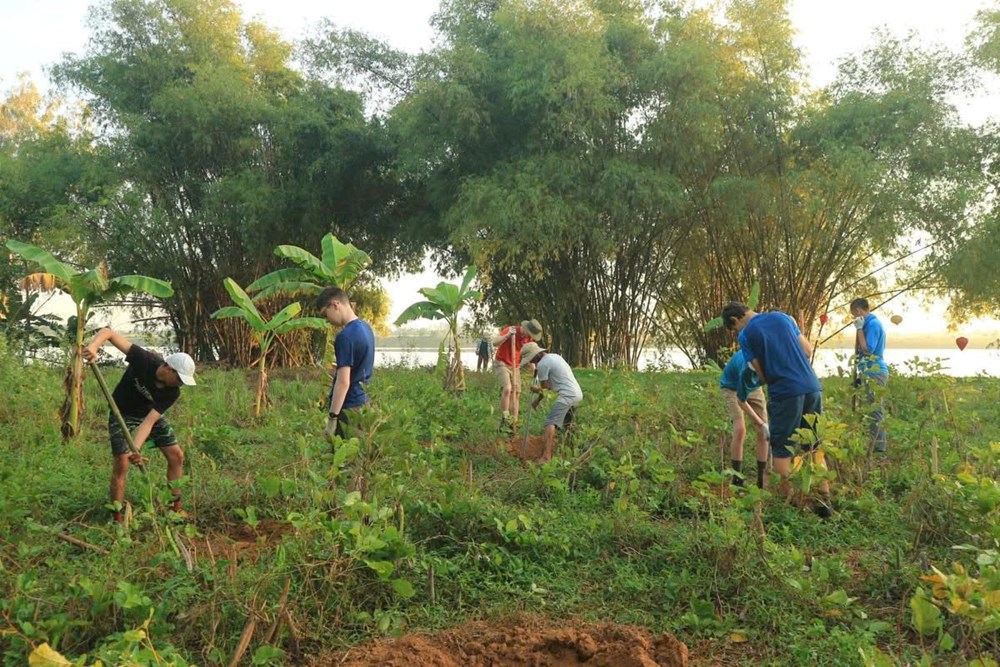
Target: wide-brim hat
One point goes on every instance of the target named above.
(529, 351)
(532, 328)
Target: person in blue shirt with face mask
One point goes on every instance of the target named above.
(869, 348)
(741, 389)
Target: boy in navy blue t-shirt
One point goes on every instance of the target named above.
(355, 350)
(774, 345)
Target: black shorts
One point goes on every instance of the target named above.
(787, 415)
(162, 434)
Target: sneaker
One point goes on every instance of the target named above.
(823, 507)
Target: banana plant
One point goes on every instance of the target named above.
(338, 266)
(264, 331)
(445, 302)
(87, 289)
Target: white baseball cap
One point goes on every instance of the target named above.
(184, 365)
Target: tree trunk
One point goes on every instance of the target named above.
(455, 378)
(72, 409)
(262, 381)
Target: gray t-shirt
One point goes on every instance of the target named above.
(554, 368)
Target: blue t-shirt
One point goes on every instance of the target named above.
(873, 363)
(738, 377)
(355, 347)
(773, 339)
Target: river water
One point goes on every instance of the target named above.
(827, 363)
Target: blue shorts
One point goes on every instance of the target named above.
(787, 415)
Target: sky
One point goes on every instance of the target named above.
(36, 33)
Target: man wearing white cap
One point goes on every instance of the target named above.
(553, 373)
(150, 385)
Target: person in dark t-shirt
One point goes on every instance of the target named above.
(150, 385)
(355, 350)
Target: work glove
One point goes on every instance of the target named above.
(766, 430)
(536, 401)
(859, 323)
(331, 426)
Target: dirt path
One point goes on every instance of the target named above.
(520, 642)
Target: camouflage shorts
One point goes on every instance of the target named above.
(162, 434)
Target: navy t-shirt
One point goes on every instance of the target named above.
(773, 339)
(137, 392)
(355, 347)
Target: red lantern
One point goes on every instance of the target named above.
(823, 318)
(961, 341)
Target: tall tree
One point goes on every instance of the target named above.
(527, 134)
(810, 194)
(50, 177)
(227, 152)
(968, 263)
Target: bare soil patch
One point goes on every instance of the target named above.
(520, 642)
(237, 542)
(533, 450)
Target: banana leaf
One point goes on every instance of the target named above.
(63, 272)
(285, 314)
(302, 323)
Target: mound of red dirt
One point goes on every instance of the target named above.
(533, 448)
(521, 643)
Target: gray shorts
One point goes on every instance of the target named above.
(560, 410)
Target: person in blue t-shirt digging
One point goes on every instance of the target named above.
(869, 348)
(354, 347)
(774, 345)
(741, 389)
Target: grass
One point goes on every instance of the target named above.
(421, 523)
